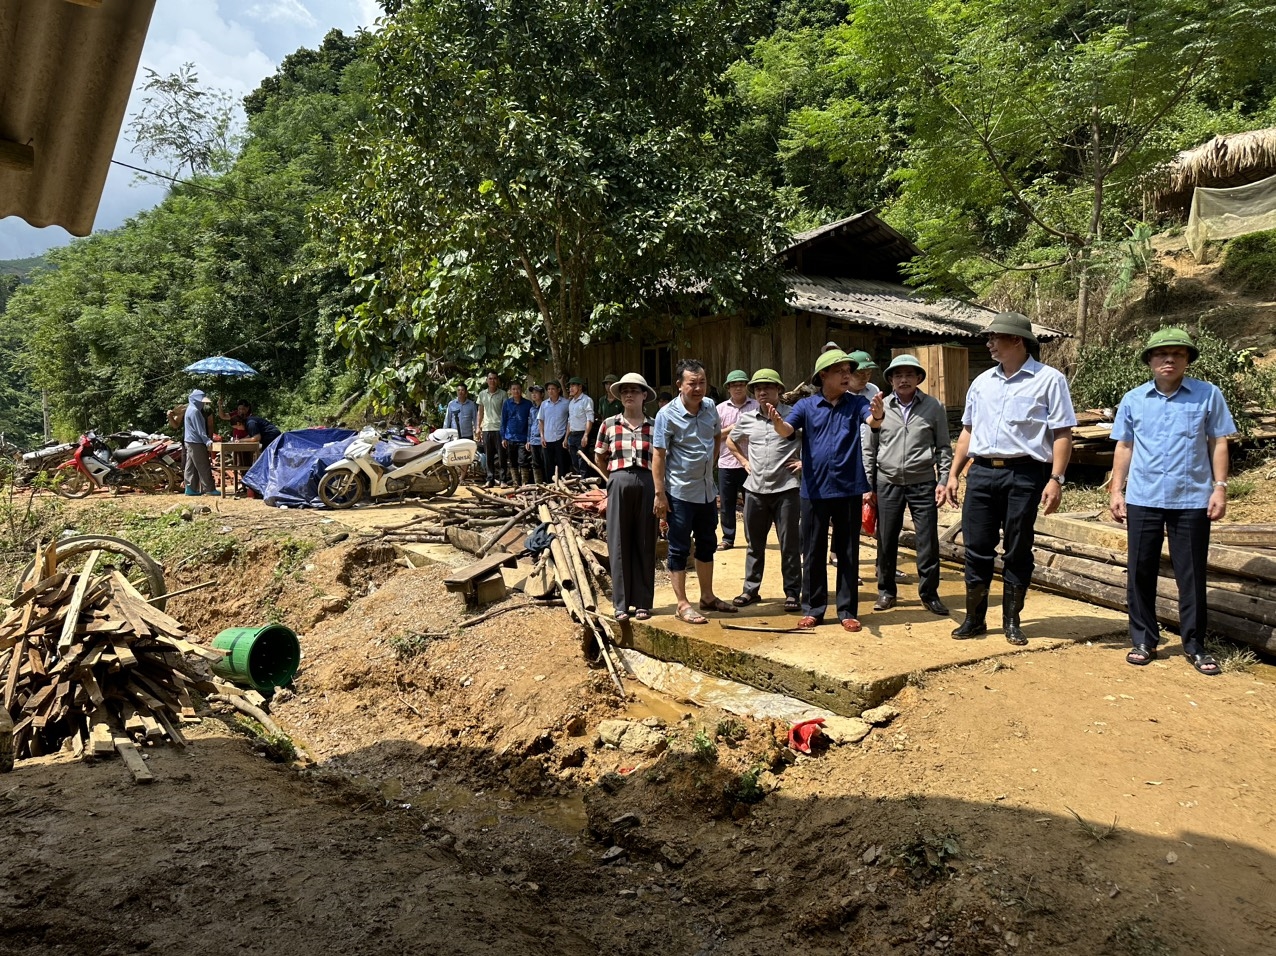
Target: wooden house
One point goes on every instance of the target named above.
(845, 284)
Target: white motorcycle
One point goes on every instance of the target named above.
(434, 467)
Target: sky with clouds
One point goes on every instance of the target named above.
(234, 44)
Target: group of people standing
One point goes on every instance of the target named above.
(529, 439)
(807, 462)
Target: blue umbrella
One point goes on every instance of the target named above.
(221, 365)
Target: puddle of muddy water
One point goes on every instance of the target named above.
(649, 703)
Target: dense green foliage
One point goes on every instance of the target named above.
(1250, 262)
(222, 266)
(1105, 373)
(496, 183)
(546, 171)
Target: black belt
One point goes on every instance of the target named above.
(1013, 462)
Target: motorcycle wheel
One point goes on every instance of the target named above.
(341, 489)
(142, 571)
(73, 483)
(439, 480)
(153, 476)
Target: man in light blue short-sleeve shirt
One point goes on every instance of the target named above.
(1171, 446)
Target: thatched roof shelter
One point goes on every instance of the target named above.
(1236, 159)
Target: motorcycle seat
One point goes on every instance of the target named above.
(124, 454)
(401, 456)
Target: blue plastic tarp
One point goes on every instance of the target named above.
(288, 472)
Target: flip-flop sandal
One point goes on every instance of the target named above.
(689, 615)
(642, 614)
(717, 604)
(622, 617)
(792, 605)
(745, 599)
(1202, 661)
(1140, 655)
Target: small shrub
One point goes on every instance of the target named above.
(703, 747)
(731, 730)
(410, 644)
(746, 789)
(929, 857)
(1250, 262)
(277, 747)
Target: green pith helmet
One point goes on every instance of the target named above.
(609, 378)
(738, 375)
(862, 360)
(1172, 337)
(828, 360)
(906, 361)
(1016, 323)
(766, 376)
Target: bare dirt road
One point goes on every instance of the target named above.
(457, 800)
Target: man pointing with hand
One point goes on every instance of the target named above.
(833, 484)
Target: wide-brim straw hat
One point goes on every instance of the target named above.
(906, 361)
(630, 378)
(1016, 323)
(828, 360)
(1169, 338)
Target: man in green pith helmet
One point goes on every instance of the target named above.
(731, 470)
(1017, 430)
(1171, 436)
(774, 469)
(606, 406)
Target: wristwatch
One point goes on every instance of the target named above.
(1220, 484)
(1062, 479)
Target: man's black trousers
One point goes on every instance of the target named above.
(1189, 531)
(1002, 502)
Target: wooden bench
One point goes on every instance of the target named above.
(481, 582)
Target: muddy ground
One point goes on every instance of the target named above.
(455, 799)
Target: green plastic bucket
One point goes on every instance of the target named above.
(262, 658)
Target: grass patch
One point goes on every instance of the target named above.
(731, 730)
(277, 747)
(1231, 657)
(411, 644)
(1098, 832)
(745, 789)
(1249, 262)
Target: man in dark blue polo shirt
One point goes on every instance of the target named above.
(833, 484)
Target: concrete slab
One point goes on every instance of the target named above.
(827, 667)
(849, 673)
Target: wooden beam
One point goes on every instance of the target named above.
(16, 156)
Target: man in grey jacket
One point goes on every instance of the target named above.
(905, 465)
(199, 445)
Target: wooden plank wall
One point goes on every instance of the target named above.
(790, 346)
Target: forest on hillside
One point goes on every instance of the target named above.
(495, 183)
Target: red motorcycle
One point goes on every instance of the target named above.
(94, 465)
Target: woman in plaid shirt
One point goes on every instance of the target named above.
(623, 450)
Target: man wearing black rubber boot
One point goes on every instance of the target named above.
(1017, 430)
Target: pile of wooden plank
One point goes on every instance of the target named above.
(1085, 558)
(1092, 444)
(87, 659)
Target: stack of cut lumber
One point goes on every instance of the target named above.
(1085, 558)
(86, 659)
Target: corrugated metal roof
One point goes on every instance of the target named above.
(884, 304)
(66, 71)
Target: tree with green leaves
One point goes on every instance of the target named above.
(1025, 130)
(184, 123)
(552, 164)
